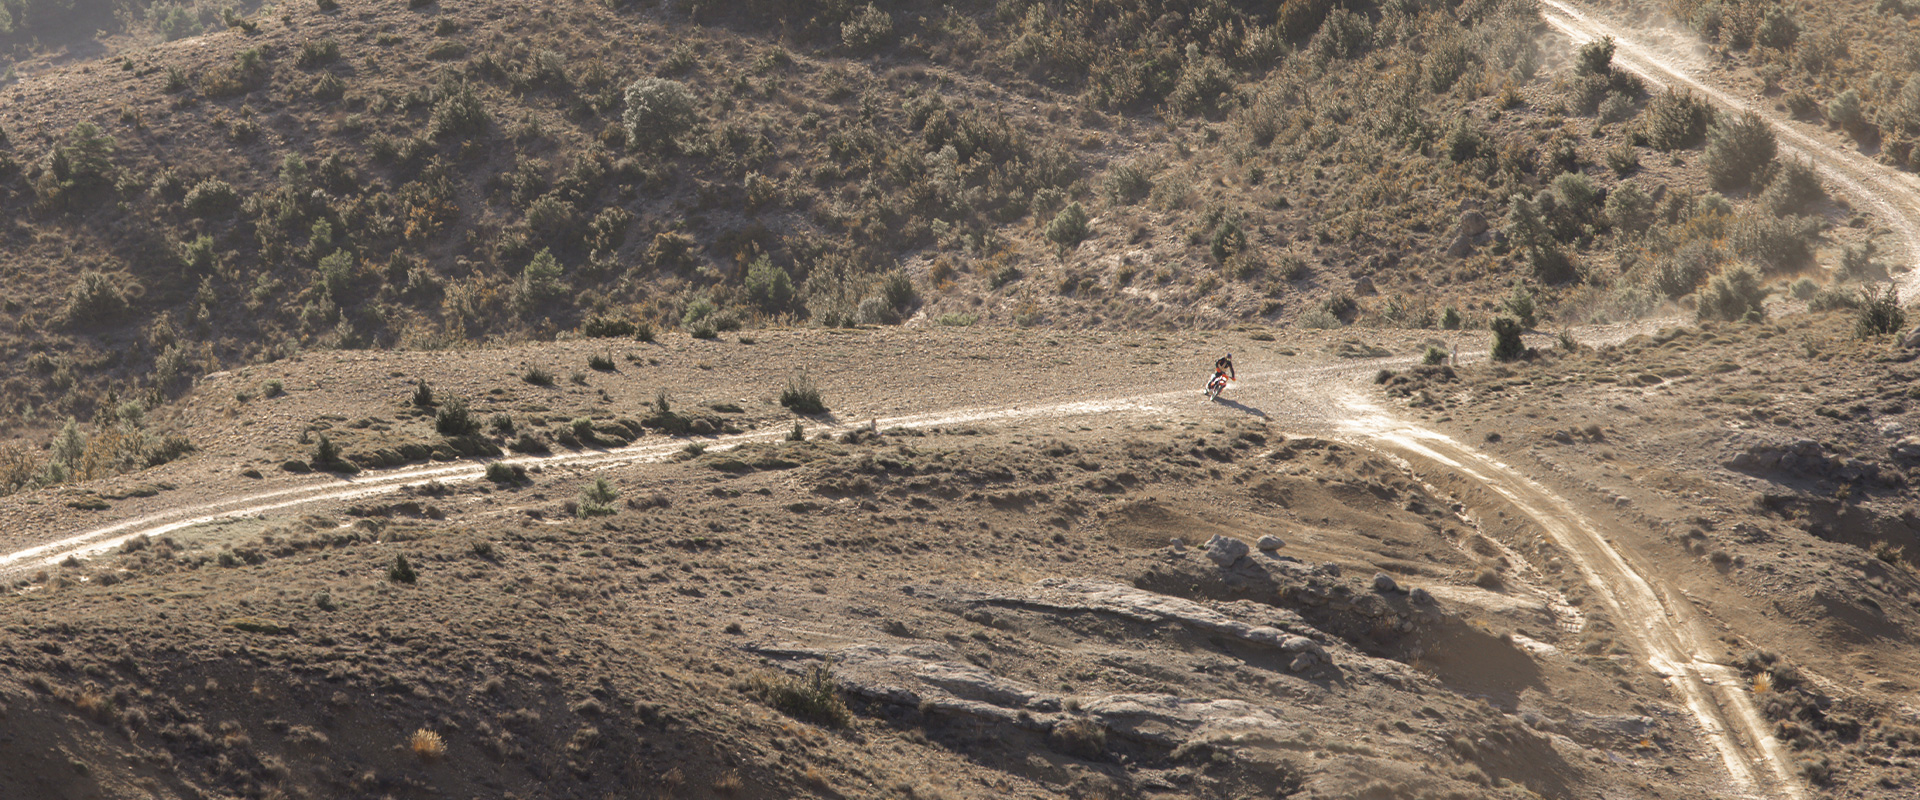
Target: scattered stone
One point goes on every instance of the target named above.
(1270, 543)
(1421, 597)
(1177, 543)
(1364, 288)
(1912, 340)
(1226, 551)
(1461, 247)
(1472, 223)
(1384, 583)
(1907, 449)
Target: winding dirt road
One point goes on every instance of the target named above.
(1668, 630)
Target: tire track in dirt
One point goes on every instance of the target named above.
(1895, 196)
(1670, 631)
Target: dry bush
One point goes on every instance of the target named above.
(427, 745)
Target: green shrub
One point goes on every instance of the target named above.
(1628, 208)
(1068, 228)
(401, 571)
(317, 52)
(1776, 244)
(1521, 305)
(600, 362)
(458, 113)
(604, 327)
(867, 30)
(210, 197)
(325, 452)
(454, 419)
(541, 284)
(1450, 319)
(1738, 151)
(1128, 184)
(768, 286)
(658, 111)
(1681, 271)
(596, 499)
(1595, 57)
(423, 395)
(173, 21)
(643, 332)
(1733, 295)
(1880, 314)
(1794, 189)
(94, 299)
(1464, 142)
(537, 376)
(1435, 356)
(813, 699)
(502, 472)
(1831, 298)
(1846, 111)
(1507, 345)
(802, 395)
(1623, 158)
(1675, 120)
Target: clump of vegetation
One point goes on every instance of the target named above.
(1675, 120)
(811, 698)
(658, 111)
(1738, 151)
(401, 571)
(596, 500)
(1880, 314)
(802, 395)
(1507, 345)
(1735, 295)
(454, 419)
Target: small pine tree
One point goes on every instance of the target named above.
(1506, 339)
(423, 395)
(326, 453)
(401, 571)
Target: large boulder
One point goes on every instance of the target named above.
(1226, 551)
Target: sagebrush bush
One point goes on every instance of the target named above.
(802, 395)
(658, 111)
(1674, 120)
(94, 299)
(1734, 295)
(1739, 151)
(1794, 189)
(867, 30)
(1776, 244)
(814, 698)
(211, 196)
(1068, 228)
(1880, 314)
(454, 419)
(458, 113)
(596, 499)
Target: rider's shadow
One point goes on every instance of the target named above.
(1239, 406)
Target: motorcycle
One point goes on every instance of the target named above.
(1216, 386)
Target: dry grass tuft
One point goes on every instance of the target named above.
(427, 745)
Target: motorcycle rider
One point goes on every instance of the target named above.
(1222, 372)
